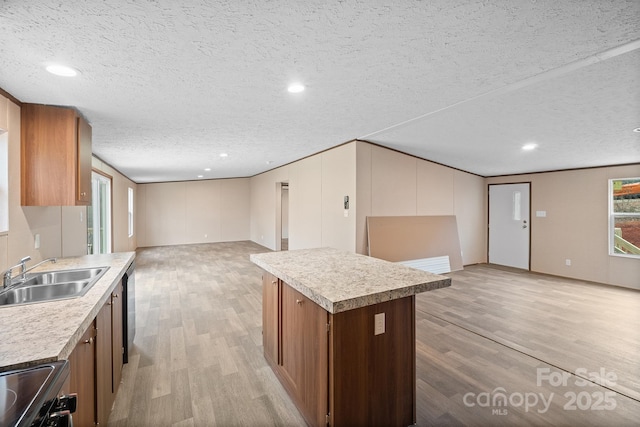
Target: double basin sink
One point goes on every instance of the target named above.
(51, 285)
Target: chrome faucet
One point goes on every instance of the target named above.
(6, 276)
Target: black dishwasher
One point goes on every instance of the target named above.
(128, 310)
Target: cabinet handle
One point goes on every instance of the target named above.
(274, 282)
(89, 341)
(299, 301)
(115, 295)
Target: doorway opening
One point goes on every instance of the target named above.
(282, 216)
(99, 215)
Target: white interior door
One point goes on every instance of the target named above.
(509, 225)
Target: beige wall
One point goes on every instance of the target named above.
(62, 229)
(378, 182)
(576, 225)
(392, 184)
(193, 212)
(26, 222)
(121, 242)
(264, 199)
(317, 186)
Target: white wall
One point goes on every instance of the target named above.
(193, 212)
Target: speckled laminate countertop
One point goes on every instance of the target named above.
(340, 281)
(39, 333)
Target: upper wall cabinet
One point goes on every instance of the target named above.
(55, 156)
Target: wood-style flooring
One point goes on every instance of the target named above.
(499, 347)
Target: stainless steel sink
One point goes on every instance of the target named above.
(52, 285)
(63, 276)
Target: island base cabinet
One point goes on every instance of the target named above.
(340, 369)
(372, 373)
(270, 317)
(304, 355)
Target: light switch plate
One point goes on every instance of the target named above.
(379, 324)
(541, 214)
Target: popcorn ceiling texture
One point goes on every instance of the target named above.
(168, 86)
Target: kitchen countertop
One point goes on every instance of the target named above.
(37, 333)
(339, 281)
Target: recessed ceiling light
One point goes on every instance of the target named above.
(200, 176)
(207, 169)
(529, 147)
(224, 155)
(295, 88)
(637, 130)
(269, 162)
(62, 70)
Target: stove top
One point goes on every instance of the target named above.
(26, 393)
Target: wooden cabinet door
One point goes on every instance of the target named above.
(304, 358)
(83, 172)
(82, 378)
(103, 363)
(117, 345)
(270, 317)
(292, 336)
(55, 155)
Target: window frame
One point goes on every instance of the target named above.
(613, 215)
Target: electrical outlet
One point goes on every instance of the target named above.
(378, 324)
(567, 262)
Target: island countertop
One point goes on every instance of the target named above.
(43, 332)
(339, 280)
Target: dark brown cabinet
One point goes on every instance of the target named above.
(295, 336)
(96, 364)
(103, 363)
(270, 316)
(82, 379)
(337, 368)
(55, 156)
(117, 344)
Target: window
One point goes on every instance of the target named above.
(624, 217)
(130, 211)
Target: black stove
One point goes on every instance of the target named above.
(31, 396)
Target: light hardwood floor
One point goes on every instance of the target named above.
(197, 357)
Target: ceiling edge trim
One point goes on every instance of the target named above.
(538, 78)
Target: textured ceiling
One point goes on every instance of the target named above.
(168, 86)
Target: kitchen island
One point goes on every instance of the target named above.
(339, 333)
